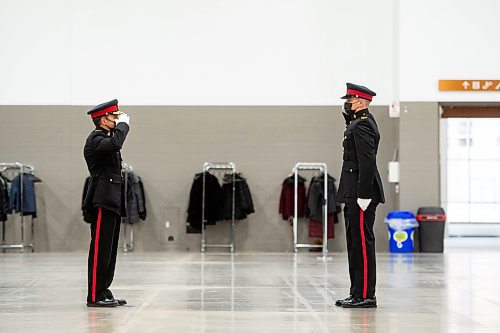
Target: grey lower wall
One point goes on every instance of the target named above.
(166, 146)
(419, 155)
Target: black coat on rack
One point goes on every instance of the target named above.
(243, 203)
(315, 198)
(4, 198)
(213, 202)
(135, 200)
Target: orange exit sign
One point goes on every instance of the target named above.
(469, 85)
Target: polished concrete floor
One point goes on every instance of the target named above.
(458, 291)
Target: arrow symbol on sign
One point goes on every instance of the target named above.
(497, 87)
(487, 84)
(466, 85)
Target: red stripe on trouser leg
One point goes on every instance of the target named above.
(96, 251)
(363, 245)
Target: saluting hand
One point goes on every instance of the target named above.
(123, 118)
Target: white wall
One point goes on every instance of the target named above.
(242, 52)
(193, 52)
(448, 39)
(35, 38)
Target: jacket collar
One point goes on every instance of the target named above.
(103, 130)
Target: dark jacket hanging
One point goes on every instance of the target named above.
(213, 202)
(314, 210)
(4, 198)
(286, 208)
(315, 198)
(135, 201)
(29, 198)
(243, 203)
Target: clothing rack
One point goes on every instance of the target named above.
(317, 167)
(228, 166)
(23, 168)
(128, 241)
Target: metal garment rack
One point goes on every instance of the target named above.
(23, 168)
(228, 166)
(319, 167)
(128, 242)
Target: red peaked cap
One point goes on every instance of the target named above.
(355, 90)
(105, 108)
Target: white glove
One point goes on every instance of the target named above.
(363, 203)
(123, 118)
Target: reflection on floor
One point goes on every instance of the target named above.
(458, 291)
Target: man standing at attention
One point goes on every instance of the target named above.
(104, 200)
(361, 190)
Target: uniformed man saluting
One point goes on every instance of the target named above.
(104, 200)
(361, 190)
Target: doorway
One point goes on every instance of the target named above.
(470, 169)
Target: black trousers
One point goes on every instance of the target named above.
(105, 231)
(361, 249)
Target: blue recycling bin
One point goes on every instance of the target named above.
(401, 230)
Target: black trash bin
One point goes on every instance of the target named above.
(431, 229)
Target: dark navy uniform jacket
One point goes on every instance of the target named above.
(102, 154)
(360, 177)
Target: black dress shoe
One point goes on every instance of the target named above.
(107, 303)
(358, 302)
(109, 296)
(119, 301)
(339, 302)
